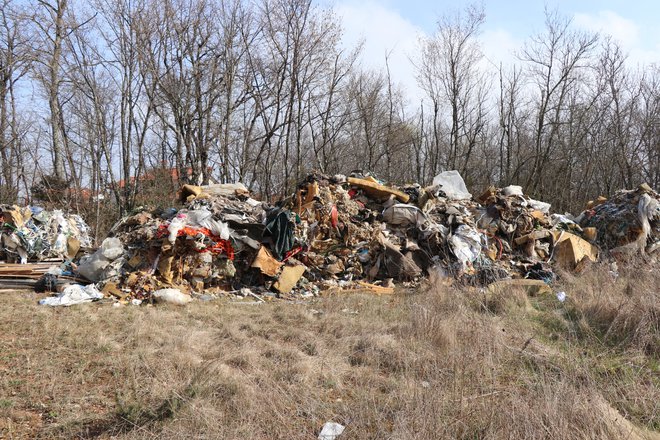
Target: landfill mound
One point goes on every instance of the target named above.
(191, 249)
(354, 233)
(627, 223)
(31, 233)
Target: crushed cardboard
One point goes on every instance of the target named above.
(266, 263)
(289, 278)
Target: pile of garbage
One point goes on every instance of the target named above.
(192, 249)
(628, 223)
(354, 233)
(31, 233)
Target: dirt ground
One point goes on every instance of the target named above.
(436, 363)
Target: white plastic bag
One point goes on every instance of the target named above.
(331, 431)
(466, 244)
(73, 294)
(59, 245)
(172, 296)
(175, 226)
(512, 190)
(203, 218)
(452, 184)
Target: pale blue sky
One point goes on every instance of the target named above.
(521, 17)
(395, 26)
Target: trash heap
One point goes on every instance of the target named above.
(31, 233)
(628, 223)
(524, 238)
(354, 233)
(354, 229)
(190, 249)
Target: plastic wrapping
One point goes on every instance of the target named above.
(92, 266)
(452, 184)
(73, 294)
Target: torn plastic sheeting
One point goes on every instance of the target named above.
(512, 190)
(73, 294)
(280, 229)
(452, 184)
(466, 243)
(203, 218)
(254, 244)
(92, 266)
(59, 245)
(648, 209)
(177, 223)
(540, 206)
(331, 431)
(249, 233)
(404, 215)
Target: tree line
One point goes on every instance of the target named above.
(98, 97)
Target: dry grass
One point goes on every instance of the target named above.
(440, 363)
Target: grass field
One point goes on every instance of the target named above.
(432, 364)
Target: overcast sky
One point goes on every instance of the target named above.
(395, 26)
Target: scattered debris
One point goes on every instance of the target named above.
(42, 277)
(331, 431)
(73, 294)
(92, 266)
(628, 223)
(31, 233)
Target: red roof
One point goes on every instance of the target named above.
(174, 175)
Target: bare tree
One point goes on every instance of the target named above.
(448, 71)
(14, 64)
(132, 109)
(50, 20)
(554, 59)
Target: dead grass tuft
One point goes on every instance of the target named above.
(623, 313)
